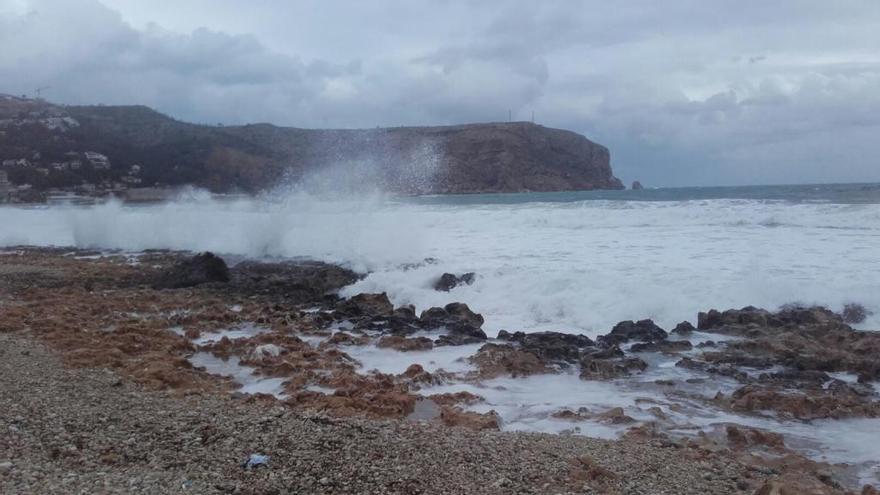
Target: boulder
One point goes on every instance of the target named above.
(295, 282)
(504, 359)
(448, 281)
(854, 313)
(365, 305)
(683, 328)
(637, 186)
(668, 346)
(201, 269)
(550, 346)
(455, 317)
(404, 344)
(458, 339)
(642, 330)
(606, 369)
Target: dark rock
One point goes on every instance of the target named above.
(449, 281)
(642, 330)
(605, 369)
(460, 312)
(202, 268)
(854, 313)
(550, 346)
(670, 346)
(501, 359)
(297, 282)
(604, 353)
(457, 339)
(404, 344)
(637, 186)
(406, 313)
(365, 305)
(683, 328)
(455, 317)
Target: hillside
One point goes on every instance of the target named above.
(107, 147)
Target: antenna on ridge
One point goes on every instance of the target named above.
(533, 116)
(40, 90)
(510, 115)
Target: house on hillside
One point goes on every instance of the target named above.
(98, 160)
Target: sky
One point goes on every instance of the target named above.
(683, 92)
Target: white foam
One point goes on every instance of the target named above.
(577, 266)
(244, 331)
(448, 358)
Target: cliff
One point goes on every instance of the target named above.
(63, 146)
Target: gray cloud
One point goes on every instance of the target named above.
(683, 92)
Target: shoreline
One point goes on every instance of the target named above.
(124, 321)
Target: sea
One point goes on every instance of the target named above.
(567, 261)
(575, 262)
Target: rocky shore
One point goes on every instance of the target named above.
(159, 372)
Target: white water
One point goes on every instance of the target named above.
(577, 266)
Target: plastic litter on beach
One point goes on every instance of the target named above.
(256, 460)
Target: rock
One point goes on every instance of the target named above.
(870, 490)
(642, 330)
(605, 369)
(457, 318)
(454, 416)
(200, 269)
(365, 305)
(683, 328)
(502, 359)
(405, 344)
(457, 339)
(669, 346)
(637, 186)
(448, 281)
(295, 282)
(549, 346)
(743, 437)
(615, 416)
(854, 313)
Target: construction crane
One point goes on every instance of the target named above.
(40, 90)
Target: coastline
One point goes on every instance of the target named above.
(112, 312)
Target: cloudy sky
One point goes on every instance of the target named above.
(683, 92)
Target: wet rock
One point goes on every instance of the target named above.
(297, 282)
(743, 437)
(457, 339)
(854, 313)
(405, 313)
(365, 305)
(668, 346)
(642, 330)
(549, 346)
(605, 369)
(724, 370)
(615, 416)
(714, 319)
(815, 404)
(504, 359)
(454, 416)
(455, 317)
(683, 328)
(448, 281)
(405, 344)
(200, 269)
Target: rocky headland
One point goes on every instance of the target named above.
(140, 352)
(119, 148)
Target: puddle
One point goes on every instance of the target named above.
(242, 375)
(240, 332)
(425, 410)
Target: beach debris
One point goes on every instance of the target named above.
(256, 460)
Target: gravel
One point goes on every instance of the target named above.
(83, 431)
